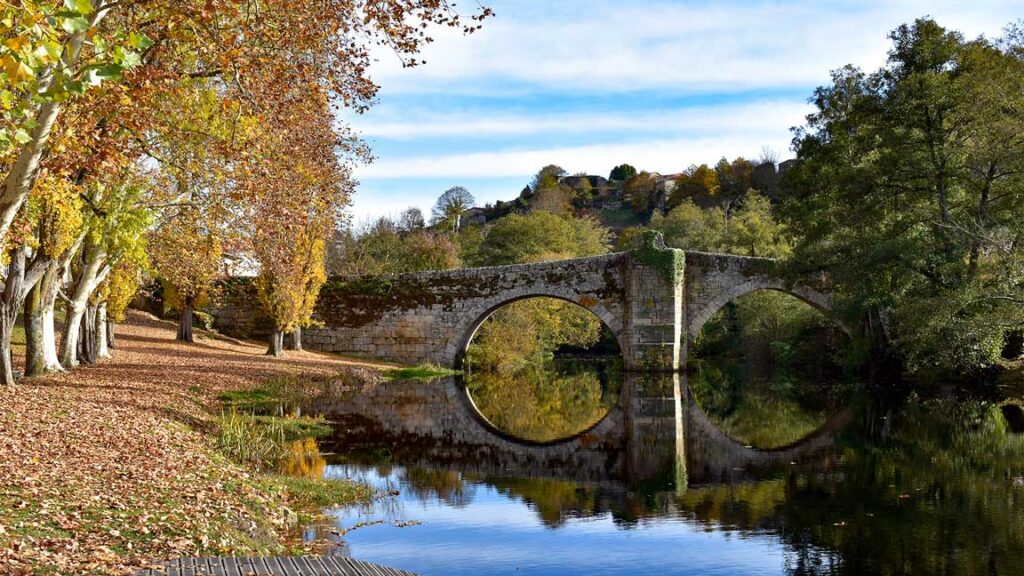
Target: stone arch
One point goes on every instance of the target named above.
(464, 331)
(814, 298)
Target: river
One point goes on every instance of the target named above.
(585, 470)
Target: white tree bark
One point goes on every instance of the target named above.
(102, 350)
(94, 271)
(50, 339)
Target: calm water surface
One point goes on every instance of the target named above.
(666, 478)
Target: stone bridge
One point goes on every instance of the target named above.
(653, 299)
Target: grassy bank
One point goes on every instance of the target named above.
(113, 467)
(423, 371)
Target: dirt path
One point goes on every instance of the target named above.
(105, 468)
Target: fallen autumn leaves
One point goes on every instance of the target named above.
(107, 467)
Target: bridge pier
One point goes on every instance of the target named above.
(652, 335)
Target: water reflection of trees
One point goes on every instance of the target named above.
(303, 460)
(937, 489)
(445, 485)
(768, 369)
(544, 402)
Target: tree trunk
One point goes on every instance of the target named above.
(92, 274)
(69, 342)
(7, 320)
(111, 340)
(10, 300)
(21, 173)
(35, 356)
(276, 344)
(295, 341)
(40, 338)
(102, 351)
(185, 322)
(87, 352)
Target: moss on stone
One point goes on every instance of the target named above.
(653, 252)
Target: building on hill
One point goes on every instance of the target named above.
(475, 216)
(666, 183)
(574, 182)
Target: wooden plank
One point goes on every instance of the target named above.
(297, 566)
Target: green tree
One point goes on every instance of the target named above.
(527, 332)
(909, 191)
(386, 248)
(748, 228)
(622, 172)
(547, 177)
(541, 236)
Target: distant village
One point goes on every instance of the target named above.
(614, 202)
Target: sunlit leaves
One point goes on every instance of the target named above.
(186, 251)
(46, 57)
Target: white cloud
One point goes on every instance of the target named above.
(770, 116)
(696, 47)
(664, 155)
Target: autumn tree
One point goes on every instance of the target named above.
(698, 183)
(640, 190)
(186, 252)
(117, 219)
(326, 44)
(120, 287)
(291, 274)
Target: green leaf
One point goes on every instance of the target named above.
(130, 59)
(22, 136)
(54, 49)
(75, 87)
(80, 6)
(139, 41)
(74, 24)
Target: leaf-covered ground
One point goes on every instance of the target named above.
(111, 467)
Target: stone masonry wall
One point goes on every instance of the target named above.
(713, 280)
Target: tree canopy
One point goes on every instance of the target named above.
(909, 191)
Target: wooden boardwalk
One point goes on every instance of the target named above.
(308, 566)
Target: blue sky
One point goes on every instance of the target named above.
(591, 84)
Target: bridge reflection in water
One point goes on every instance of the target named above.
(656, 437)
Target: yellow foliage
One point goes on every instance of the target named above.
(120, 288)
(289, 284)
(186, 251)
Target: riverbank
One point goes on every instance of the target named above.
(111, 467)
